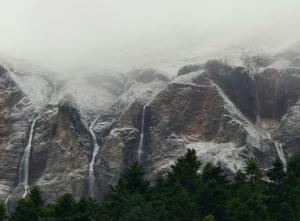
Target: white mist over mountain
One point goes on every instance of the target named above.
(64, 35)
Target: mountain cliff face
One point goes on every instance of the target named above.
(79, 135)
(16, 114)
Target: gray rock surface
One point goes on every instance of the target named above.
(225, 113)
(16, 114)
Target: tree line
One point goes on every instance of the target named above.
(183, 194)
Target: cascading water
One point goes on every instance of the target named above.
(140, 149)
(280, 152)
(281, 155)
(92, 178)
(258, 117)
(276, 98)
(278, 145)
(24, 167)
(6, 201)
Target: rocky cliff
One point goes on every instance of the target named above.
(79, 135)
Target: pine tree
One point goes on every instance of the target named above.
(215, 192)
(86, 210)
(286, 204)
(185, 171)
(64, 208)
(181, 189)
(132, 180)
(2, 212)
(29, 208)
(126, 200)
(209, 218)
(35, 196)
(276, 173)
(214, 172)
(240, 179)
(248, 201)
(253, 172)
(183, 195)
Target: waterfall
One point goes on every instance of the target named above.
(24, 167)
(95, 152)
(6, 200)
(276, 98)
(281, 155)
(140, 149)
(279, 151)
(258, 117)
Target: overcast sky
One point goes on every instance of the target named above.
(120, 34)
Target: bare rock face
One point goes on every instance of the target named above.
(238, 84)
(288, 131)
(60, 152)
(117, 152)
(277, 91)
(192, 111)
(62, 145)
(189, 68)
(16, 114)
(119, 148)
(212, 124)
(225, 113)
(59, 156)
(267, 84)
(149, 75)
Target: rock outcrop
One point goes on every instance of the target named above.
(288, 130)
(277, 90)
(195, 110)
(16, 115)
(227, 114)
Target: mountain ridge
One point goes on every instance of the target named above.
(221, 111)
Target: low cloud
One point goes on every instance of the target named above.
(63, 35)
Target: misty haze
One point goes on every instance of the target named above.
(150, 110)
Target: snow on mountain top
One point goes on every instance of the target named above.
(33, 80)
(144, 91)
(88, 97)
(280, 64)
(92, 92)
(188, 78)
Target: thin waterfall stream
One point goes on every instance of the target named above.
(141, 144)
(281, 154)
(6, 200)
(24, 166)
(92, 177)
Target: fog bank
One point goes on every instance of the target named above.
(67, 34)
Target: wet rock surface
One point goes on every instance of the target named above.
(277, 91)
(288, 130)
(16, 114)
(238, 84)
(226, 113)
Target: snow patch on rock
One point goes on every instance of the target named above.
(188, 78)
(225, 153)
